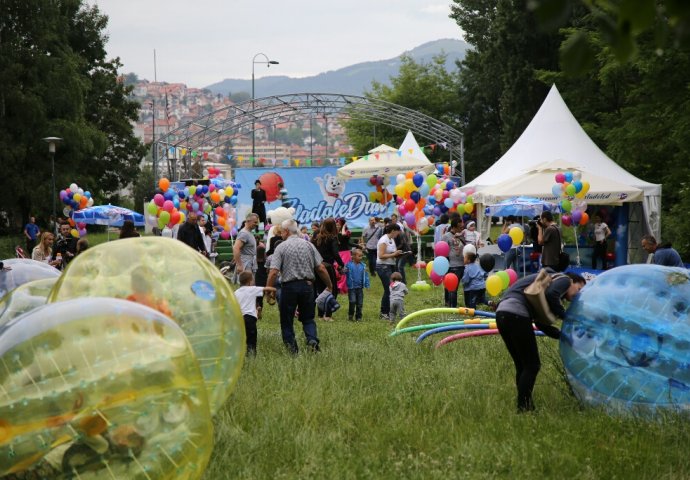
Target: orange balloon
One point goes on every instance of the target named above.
(164, 184)
(220, 220)
(215, 197)
(71, 222)
(430, 219)
(585, 218)
(419, 213)
(421, 203)
(409, 175)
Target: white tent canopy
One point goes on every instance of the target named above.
(555, 141)
(386, 160)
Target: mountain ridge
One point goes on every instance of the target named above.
(351, 80)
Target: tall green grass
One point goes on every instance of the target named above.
(373, 406)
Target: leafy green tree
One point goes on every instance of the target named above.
(56, 81)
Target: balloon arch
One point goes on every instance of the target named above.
(172, 152)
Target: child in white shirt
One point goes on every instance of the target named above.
(246, 296)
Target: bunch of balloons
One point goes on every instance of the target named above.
(381, 194)
(571, 189)
(170, 207)
(506, 241)
(438, 268)
(500, 281)
(212, 172)
(75, 198)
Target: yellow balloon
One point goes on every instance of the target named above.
(167, 275)
(429, 267)
(400, 190)
(585, 188)
(494, 285)
(409, 186)
(229, 191)
(517, 234)
(469, 207)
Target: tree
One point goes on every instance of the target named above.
(425, 87)
(56, 81)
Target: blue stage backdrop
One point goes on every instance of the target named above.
(315, 193)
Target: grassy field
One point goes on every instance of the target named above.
(374, 406)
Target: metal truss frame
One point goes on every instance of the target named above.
(220, 127)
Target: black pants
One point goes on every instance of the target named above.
(371, 257)
(599, 251)
(518, 335)
(250, 328)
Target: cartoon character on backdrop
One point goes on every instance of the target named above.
(276, 217)
(332, 188)
(271, 183)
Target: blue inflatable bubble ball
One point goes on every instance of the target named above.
(625, 341)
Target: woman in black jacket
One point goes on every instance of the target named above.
(326, 243)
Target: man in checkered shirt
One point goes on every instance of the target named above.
(297, 261)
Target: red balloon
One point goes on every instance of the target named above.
(175, 217)
(436, 279)
(450, 281)
(410, 205)
(269, 183)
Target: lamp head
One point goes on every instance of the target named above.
(51, 143)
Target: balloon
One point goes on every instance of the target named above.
(152, 208)
(467, 249)
(410, 219)
(567, 220)
(74, 232)
(517, 234)
(441, 249)
(585, 218)
(400, 190)
(436, 279)
(422, 224)
(400, 178)
(431, 180)
(450, 281)
(560, 178)
(568, 177)
(469, 207)
(578, 186)
(415, 197)
(576, 216)
(429, 268)
(417, 180)
(158, 199)
(577, 175)
(570, 190)
(494, 285)
(505, 278)
(487, 262)
(448, 202)
(504, 242)
(512, 274)
(441, 265)
(168, 206)
(556, 190)
(164, 184)
(566, 206)
(410, 205)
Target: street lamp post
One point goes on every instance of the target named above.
(268, 64)
(52, 142)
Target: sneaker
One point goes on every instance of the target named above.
(313, 346)
(384, 316)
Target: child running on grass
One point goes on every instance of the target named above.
(398, 291)
(473, 281)
(246, 296)
(357, 281)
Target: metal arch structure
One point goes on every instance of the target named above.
(220, 127)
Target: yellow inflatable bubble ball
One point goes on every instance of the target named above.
(167, 275)
(101, 388)
(22, 270)
(25, 298)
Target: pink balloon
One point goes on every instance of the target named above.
(441, 249)
(436, 279)
(512, 276)
(158, 199)
(402, 210)
(168, 206)
(560, 178)
(224, 235)
(567, 220)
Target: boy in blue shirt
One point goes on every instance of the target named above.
(473, 281)
(357, 281)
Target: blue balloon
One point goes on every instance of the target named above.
(450, 186)
(415, 196)
(87, 194)
(441, 265)
(428, 210)
(448, 203)
(431, 200)
(568, 177)
(578, 186)
(233, 200)
(424, 189)
(417, 179)
(556, 190)
(504, 242)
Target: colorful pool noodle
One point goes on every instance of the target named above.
(470, 312)
(475, 333)
(428, 326)
(448, 328)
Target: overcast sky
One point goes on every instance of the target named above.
(201, 42)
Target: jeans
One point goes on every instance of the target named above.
(356, 298)
(473, 297)
(384, 272)
(599, 251)
(400, 264)
(451, 298)
(297, 294)
(518, 336)
(319, 286)
(371, 260)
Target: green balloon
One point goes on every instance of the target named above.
(431, 180)
(164, 217)
(152, 208)
(566, 205)
(505, 278)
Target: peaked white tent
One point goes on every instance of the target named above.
(386, 160)
(555, 141)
